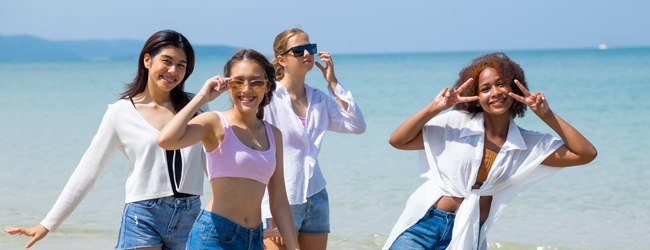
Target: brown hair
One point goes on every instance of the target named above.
(256, 57)
(153, 46)
(280, 45)
(507, 70)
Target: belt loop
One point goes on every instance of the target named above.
(187, 203)
(159, 201)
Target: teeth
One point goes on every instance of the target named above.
(167, 79)
(246, 98)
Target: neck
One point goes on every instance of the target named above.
(155, 95)
(497, 125)
(249, 120)
(295, 83)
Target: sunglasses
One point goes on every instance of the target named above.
(255, 85)
(299, 51)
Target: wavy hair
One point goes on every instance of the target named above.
(280, 45)
(269, 70)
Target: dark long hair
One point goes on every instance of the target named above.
(153, 46)
(269, 70)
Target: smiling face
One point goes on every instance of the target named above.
(247, 100)
(295, 64)
(493, 93)
(166, 69)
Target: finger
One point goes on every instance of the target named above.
(320, 66)
(281, 241)
(441, 94)
(544, 102)
(16, 230)
(517, 97)
(31, 242)
(462, 87)
(467, 98)
(521, 87)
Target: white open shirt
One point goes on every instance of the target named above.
(453, 149)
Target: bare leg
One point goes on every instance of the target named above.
(313, 241)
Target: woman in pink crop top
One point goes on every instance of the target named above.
(244, 157)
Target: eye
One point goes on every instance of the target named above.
(182, 66)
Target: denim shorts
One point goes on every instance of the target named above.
(311, 217)
(157, 222)
(432, 232)
(213, 231)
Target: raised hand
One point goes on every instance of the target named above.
(214, 87)
(328, 70)
(37, 232)
(536, 102)
(449, 97)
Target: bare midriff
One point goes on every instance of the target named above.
(451, 205)
(237, 199)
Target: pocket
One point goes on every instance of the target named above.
(324, 195)
(144, 204)
(217, 233)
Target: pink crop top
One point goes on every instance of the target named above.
(234, 159)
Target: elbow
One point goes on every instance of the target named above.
(163, 143)
(591, 155)
(360, 130)
(395, 142)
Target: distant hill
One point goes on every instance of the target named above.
(22, 48)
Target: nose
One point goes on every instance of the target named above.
(306, 52)
(247, 87)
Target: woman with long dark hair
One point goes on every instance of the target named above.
(163, 186)
(475, 158)
(244, 157)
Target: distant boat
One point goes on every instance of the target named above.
(602, 46)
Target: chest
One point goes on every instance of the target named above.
(156, 116)
(299, 105)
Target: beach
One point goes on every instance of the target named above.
(50, 112)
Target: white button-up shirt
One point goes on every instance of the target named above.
(302, 174)
(453, 149)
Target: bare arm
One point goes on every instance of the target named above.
(328, 73)
(278, 201)
(183, 131)
(577, 150)
(408, 136)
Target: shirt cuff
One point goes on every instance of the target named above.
(341, 92)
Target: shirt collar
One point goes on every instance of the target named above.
(476, 126)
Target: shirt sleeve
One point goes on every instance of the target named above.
(340, 120)
(101, 151)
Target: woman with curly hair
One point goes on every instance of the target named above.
(475, 158)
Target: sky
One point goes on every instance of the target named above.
(344, 26)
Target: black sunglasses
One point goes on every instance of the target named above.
(299, 51)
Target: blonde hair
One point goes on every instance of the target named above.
(280, 45)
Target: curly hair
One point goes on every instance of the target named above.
(507, 70)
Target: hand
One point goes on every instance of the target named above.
(214, 87)
(536, 102)
(37, 232)
(276, 238)
(328, 70)
(271, 232)
(448, 97)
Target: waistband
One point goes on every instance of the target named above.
(434, 212)
(209, 218)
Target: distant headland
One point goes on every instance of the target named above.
(23, 48)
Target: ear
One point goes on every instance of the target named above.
(281, 61)
(147, 61)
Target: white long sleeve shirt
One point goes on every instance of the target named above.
(302, 174)
(124, 129)
(453, 149)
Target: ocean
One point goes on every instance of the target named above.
(50, 111)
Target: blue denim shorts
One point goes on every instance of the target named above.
(157, 222)
(213, 231)
(432, 232)
(311, 217)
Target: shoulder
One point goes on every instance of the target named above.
(276, 131)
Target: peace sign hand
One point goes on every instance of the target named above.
(448, 97)
(536, 102)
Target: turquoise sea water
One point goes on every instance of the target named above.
(49, 112)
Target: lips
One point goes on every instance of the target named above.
(168, 80)
(498, 102)
(246, 99)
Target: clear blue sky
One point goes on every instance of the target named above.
(344, 26)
